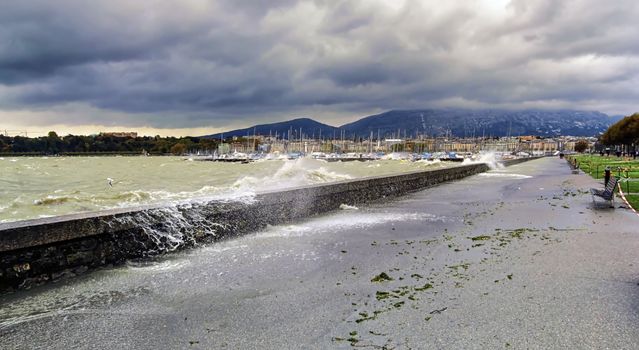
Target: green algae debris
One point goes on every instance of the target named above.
(381, 277)
(382, 295)
(464, 266)
(480, 238)
(399, 304)
(424, 287)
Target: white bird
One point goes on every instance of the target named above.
(110, 181)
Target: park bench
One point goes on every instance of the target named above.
(607, 193)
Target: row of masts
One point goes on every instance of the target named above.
(295, 140)
(292, 135)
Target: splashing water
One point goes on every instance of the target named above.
(345, 220)
(170, 228)
(348, 207)
(506, 175)
(293, 173)
(489, 158)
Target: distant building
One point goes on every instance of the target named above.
(132, 134)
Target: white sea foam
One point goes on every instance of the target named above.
(56, 200)
(162, 266)
(224, 247)
(430, 162)
(505, 175)
(347, 220)
(348, 207)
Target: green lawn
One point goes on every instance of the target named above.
(622, 168)
(634, 200)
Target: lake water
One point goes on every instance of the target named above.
(34, 187)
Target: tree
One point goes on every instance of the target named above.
(581, 146)
(178, 149)
(623, 132)
(54, 143)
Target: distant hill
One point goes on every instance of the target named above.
(468, 123)
(455, 122)
(308, 126)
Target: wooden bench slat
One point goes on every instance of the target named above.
(608, 192)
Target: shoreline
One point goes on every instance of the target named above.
(40, 250)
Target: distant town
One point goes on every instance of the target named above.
(529, 144)
(129, 143)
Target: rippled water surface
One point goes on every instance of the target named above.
(33, 187)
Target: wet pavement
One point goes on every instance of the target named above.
(513, 258)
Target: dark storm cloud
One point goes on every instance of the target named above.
(39, 38)
(193, 63)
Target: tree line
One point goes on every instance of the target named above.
(624, 132)
(53, 144)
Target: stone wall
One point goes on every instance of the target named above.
(35, 251)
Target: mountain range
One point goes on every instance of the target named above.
(444, 122)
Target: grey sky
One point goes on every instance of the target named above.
(217, 64)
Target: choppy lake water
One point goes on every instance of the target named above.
(34, 187)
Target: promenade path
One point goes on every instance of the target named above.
(513, 258)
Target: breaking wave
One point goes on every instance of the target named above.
(292, 173)
(489, 158)
(56, 200)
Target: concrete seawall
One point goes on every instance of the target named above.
(35, 251)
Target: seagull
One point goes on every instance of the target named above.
(110, 181)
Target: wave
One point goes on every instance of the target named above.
(56, 200)
(292, 173)
(84, 201)
(121, 197)
(489, 158)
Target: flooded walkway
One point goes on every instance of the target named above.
(513, 258)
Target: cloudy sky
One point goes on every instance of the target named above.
(195, 66)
